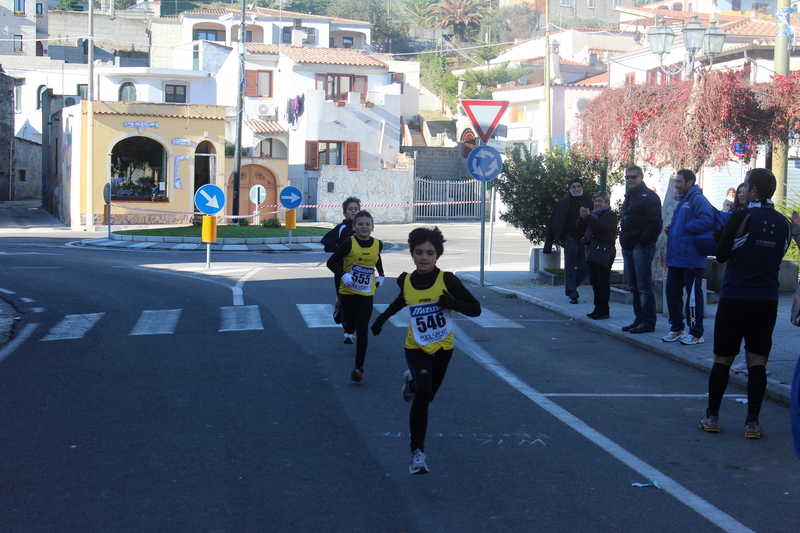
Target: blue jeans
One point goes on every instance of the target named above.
(690, 280)
(639, 275)
(575, 267)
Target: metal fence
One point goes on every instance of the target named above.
(465, 196)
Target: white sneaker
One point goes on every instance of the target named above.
(673, 336)
(690, 340)
(349, 338)
(741, 368)
(418, 465)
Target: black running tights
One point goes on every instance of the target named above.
(428, 372)
(356, 312)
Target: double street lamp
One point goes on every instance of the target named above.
(696, 38)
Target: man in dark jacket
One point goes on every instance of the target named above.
(693, 215)
(639, 229)
(563, 228)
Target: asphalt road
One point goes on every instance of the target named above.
(220, 401)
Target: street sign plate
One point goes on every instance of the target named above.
(484, 115)
(484, 163)
(258, 193)
(209, 199)
(291, 197)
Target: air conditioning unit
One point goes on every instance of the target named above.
(266, 110)
(580, 104)
(70, 101)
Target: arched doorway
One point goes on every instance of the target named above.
(468, 141)
(138, 170)
(205, 165)
(253, 175)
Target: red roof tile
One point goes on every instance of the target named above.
(331, 56)
(266, 127)
(268, 12)
(601, 80)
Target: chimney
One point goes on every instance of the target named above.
(555, 63)
(297, 33)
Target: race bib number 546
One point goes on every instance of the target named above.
(429, 323)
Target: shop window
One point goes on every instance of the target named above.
(336, 86)
(258, 83)
(18, 43)
(319, 153)
(175, 94)
(127, 92)
(138, 170)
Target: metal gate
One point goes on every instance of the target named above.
(430, 195)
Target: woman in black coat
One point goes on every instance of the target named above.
(600, 226)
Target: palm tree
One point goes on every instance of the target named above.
(423, 12)
(459, 14)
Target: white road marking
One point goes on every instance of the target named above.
(707, 510)
(318, 315)
(241, 318)
(38, 309)
(9, 348)
(156, 322)
(490, 319)
(238, 294)
(614, 395)
(27, 300)
(6, 291)
(72, 327)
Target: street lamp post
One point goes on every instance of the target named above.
(696, 37)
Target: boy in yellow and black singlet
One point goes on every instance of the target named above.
(355, 263)
(431, 295)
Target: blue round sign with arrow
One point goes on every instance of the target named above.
(291, 197)
(209, 199)
(484, 163)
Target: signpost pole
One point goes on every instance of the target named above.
(491, 224)
(483, 218)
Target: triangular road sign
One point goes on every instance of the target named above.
(484, 115)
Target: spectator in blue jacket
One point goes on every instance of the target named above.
(693, 215)
(639, 230)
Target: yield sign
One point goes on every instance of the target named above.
(484, 115)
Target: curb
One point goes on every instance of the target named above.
(776, 391)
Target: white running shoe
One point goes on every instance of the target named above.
(349, 338)
(741, 368)
(418, 465)
(691, 340)
(673, 336)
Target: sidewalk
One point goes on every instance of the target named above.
(515, 278)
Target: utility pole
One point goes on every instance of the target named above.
(547, 97)
(237, 154)
(780, 149)
(89, 176)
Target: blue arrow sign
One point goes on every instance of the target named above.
(291, 197)
(484, 163)
(209, 199)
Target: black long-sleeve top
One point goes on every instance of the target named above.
(336, 261)
(465, 302)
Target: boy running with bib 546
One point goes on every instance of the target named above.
(431, 295)
(354, 262)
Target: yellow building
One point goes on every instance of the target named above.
(152, 157)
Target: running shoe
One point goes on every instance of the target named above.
(418, 465)
(349, 338)
(752, 430)
(407, 394)
(710, 424)
(673, 336)
(357, 374)
(741, 368)
(691, 340)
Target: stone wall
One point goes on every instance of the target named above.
(385, 193)
(27, 182)
(437, 163)
(66, 27)
(6, 135)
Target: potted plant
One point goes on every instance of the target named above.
(341, 103)
(367, 103)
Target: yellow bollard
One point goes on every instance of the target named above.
(209, 232)
(291, 218)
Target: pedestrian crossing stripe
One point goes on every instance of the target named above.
(73, 327)
(241, 318)
(157, 322)
(321, 316)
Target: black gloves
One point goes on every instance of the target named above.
(446, 301)
(377, 326)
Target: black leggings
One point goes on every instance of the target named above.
(356, 312)
(428, 372)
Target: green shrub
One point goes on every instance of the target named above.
(197, 220)
(271, 223)
(555, 271)
(244, 221)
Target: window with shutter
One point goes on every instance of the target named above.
(312, 155)
(251, 83)
(353, 156)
